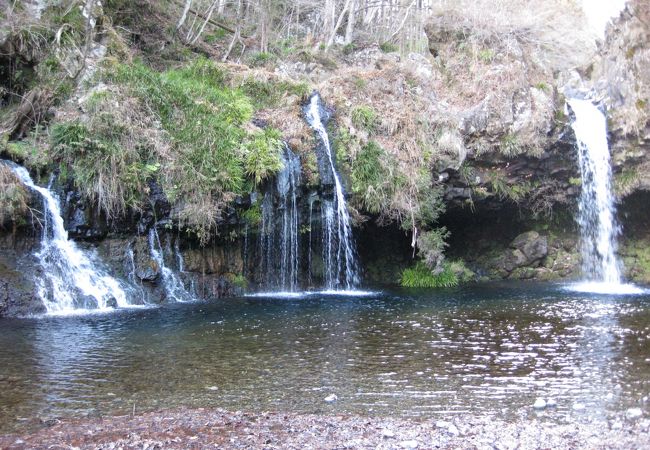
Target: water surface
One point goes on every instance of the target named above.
(484, 349)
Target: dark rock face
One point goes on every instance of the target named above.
(18, 272)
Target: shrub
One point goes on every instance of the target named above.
(364, 117)
(370, 179)
(267, 94)
(420, 276)
(263, 155)
(388, 47)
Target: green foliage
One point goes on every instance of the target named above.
(420, 276)
(360, 83)
(217, 35)
(575, 181)
(542, 86)
(267, 94)
(261, 59)
(240, 281)
(507, 191)
(253, 215)
(14, 198)
(349, 48)
(486, 55)
(263, 155)
(626, 181)
(388, 47)
(26, 152)
(364, 117)
(103, 168)
(431, 246)
(370, 179)
(509, 146)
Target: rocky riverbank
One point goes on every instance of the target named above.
(216, 428)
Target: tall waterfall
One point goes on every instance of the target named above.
(279, 233)
(599, 228)
(338, 246)
(72, 278)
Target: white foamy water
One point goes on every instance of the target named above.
(596, 218)
(73, 280)
(338, 245)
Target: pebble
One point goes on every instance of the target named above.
(450, 427)
(388, 434)
(409, 444)
(578, 407)
(551, 403)
(633, 413)
(212, 388)
(540, 403)
(331, 398)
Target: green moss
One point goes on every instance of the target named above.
(641, 104)
(575, 181)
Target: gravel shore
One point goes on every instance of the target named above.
(216, 428)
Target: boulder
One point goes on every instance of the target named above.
(533, 246)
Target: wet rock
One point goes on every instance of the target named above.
(540, 403)
(533, 246)
(331, 398)
(633, 413)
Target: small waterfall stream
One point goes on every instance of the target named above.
(172, 283)
(599, 227)
(73, 279)
(279, 233)
(338, 246)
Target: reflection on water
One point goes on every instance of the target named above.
(490, 349)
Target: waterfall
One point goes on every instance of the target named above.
(338, 245)
(279, 231)
(287, 184)
(72, 278)
(596, 218)
(172, 283)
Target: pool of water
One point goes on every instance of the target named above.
(483, 349)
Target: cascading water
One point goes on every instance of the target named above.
(279, 234)
(73, 279)
(172, 283)
(338, 246)
(599, 228)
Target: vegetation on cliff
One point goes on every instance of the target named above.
(434, 101)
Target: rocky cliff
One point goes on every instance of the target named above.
(469, 138)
